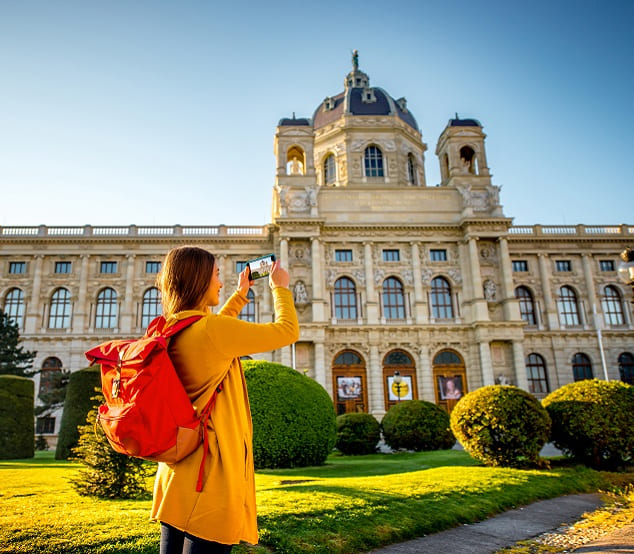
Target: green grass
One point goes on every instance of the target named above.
(352, 504)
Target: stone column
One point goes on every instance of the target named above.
(549, 305)
(34, 311)
(372, 314)
(375, 383)
(126, 317)
(284, 253)
(593, 304)
(420, 310)
(519, 364)
(510, 303)
(425, 376)
(320, 366)
(317, 278)
(480, 310)
(486, 364)
(82, 312)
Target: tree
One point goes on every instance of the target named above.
(107, 474)
(14, 360)
(53, 396)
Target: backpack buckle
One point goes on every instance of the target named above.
(116, 382)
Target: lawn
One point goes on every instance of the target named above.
(351, 504)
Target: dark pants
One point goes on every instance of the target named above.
(174, 541)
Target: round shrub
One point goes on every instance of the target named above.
(77, 403)
(357, 433)
(592, 421)
(293, 417)
(417, 425)
(501, 426)
(17, 432)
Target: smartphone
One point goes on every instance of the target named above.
(260, 267)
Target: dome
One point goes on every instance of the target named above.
(359, 98)
(463, 122)
(290, 122)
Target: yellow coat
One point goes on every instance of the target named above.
(204, 355)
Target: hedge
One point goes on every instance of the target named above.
(77, 403)
(293, 417)
(357, 433)
(17, 431)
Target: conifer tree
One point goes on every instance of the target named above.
(106, 473)
(14, 360)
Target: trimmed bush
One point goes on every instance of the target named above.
(417, 425)
(357, 433)
(592, 421)
(293, 417)
(501, 426)
(17, 430)
(77, 403)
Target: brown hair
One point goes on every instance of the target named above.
(184, 278)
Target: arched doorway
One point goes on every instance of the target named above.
(450, 378)
(349, 380)
(401, 361)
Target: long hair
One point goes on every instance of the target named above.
(184, 278)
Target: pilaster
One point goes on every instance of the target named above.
(33, 321)
(549, 305)
(372, 312)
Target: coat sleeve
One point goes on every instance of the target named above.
(234, 305)
(235, 337)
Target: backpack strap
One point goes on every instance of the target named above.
(157, 326)
(204, 418)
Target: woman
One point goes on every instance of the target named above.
(205, 355)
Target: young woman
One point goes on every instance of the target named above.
(205, 355)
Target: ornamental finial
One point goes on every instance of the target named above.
(355, 60)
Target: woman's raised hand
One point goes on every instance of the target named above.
(278, 277)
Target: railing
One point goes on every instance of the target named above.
(133, 231)
(569, 230)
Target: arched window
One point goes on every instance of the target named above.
(626, 368)
(373, 162)
(59, 312)
(248, 310)
(349, 375)
(393, 299)
(536, 374)
(568, 307)
(581, 367)
(441, 304)
(50, 366)
(295, 161)
(14, 306)
(527, 307)
(345, 299)
(612, 306)
(411, 170)
(151, 307)
(106, 313)
(330, 170)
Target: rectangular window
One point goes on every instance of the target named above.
(606, 265)
(343, 255)
(240, 266)
(45, 425)
(62, 267)
(520, 265)
(563, 265)
(438, 255)
(152, 267)
(108, 267)
(17, 267)
(391, 255)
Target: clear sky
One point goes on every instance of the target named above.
(163, 112)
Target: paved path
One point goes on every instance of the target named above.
(486, 537)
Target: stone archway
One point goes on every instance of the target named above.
(450, 378)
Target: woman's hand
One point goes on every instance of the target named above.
(279, 276)
(244, 284)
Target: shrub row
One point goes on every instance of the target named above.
(17, 435)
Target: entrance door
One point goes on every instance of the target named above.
(450, 379)
(349, 380)
(401, 362)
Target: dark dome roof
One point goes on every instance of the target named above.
(302, 121)
(363, 100)
(464, 123)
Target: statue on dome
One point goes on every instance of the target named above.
(355, 60)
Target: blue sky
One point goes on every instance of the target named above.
(161, 113)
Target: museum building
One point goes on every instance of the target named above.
(403, 290)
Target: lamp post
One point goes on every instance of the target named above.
(397, 381)
(626, 268)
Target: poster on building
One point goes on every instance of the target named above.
(402, 391)
(349, 388)
(450, 387)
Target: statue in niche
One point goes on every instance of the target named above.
(300, 294)
(465, 166)
(490, 290)
(312, 196)
(281, 194)
(296, 167)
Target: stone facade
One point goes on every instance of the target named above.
(388, 273)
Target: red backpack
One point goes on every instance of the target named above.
(147, 413)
